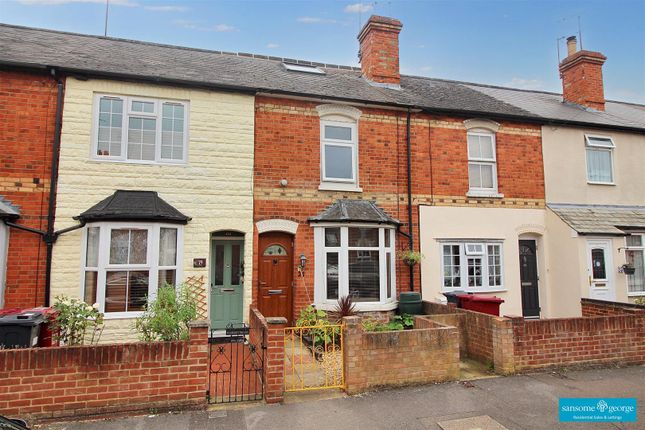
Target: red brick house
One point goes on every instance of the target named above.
(27, 130)
(316, 157)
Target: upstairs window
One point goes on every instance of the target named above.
(482, 163)
(600, 164)
(339, 147)
(140, 130)
(338, 151)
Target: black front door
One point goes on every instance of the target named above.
(529, 279)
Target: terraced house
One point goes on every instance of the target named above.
(283, 183)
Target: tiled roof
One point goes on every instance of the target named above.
(599, 219)
(7, 210)
(133, 206)
(119, 58)
(354, 211)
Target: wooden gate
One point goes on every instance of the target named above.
(314, 357)
(236, 365)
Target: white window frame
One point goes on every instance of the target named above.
(635, 248)
(320, 282)
(127, 113)
(595, 147)
(481, 191)
(463, 265)
(352, 144)
(152, 259)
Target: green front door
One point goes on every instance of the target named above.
(227, 271)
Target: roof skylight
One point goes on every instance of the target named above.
(303, 68)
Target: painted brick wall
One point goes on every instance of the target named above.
(287, 146)
(65, 382)
(429, 353)
(27, 118)
(214, 187)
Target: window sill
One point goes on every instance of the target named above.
(121, 315)
(636, 294)
(361, 306)
(476, 290)
(485, 194)
(140, 162)
(610, 184)
(334, 186)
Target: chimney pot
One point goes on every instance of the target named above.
(571, 45)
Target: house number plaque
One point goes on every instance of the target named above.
(199, 262)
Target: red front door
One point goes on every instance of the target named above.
(275, 277)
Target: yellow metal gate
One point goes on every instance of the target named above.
(313, 357)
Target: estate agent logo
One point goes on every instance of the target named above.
(597, 410)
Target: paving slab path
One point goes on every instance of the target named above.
(515, 402)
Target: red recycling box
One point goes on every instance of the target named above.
(481, 303)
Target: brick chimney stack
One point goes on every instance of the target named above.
(581, 74)
(379, 50)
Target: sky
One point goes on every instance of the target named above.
(501, 42)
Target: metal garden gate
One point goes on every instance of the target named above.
(236, 364)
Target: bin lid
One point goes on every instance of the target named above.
(409, 297)
(482, 298)
(453, 293)
(9, 311)
(24, 318)
(464, 296)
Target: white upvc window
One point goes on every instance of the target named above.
(356, 261)
(600, 159)
(482, 163)
(125, 263)
(473, 267)
(635, 255)
(339, 147)
(139, 129)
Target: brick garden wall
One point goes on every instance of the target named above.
(27, 119)
(592, 307)
(428, 353)
(273, 369)
(65, 382)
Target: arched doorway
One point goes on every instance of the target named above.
(275, 275)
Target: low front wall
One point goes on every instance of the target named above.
(428, 353)
(593, 308)
(83, 381)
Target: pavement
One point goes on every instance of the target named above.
(516, 402)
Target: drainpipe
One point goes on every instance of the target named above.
(50, 235)
(409, 162)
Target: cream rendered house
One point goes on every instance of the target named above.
(185, 156)
(595, 192)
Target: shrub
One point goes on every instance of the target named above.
(166, 317)
(397, 323)
(345, 308)
(310, 316)
(72, 320)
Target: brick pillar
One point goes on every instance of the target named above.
(274, 360)
(352, 349)
(198, 338)
(503, 346)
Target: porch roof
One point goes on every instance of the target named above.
(7, 210)
(354, 211)
(601, 219)
(125, 205)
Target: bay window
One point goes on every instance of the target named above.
(635, 255)
(355, 261)
(140, 130)
(124, 264)
(472, 266)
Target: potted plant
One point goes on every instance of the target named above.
(410, 257)
(628, 269)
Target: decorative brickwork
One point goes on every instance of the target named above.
(65, 382)
(428, 353)
(28, 113)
